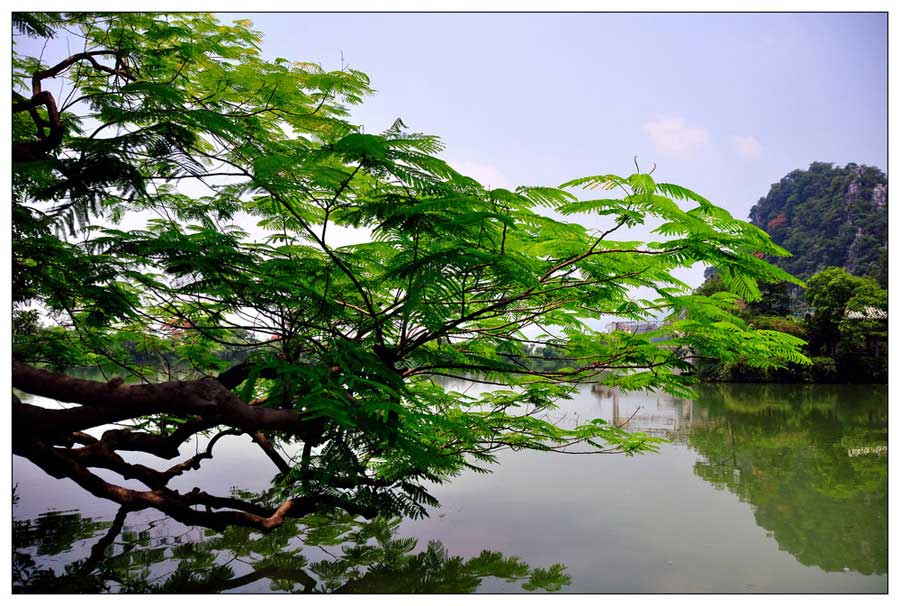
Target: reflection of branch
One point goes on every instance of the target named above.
(628, 420)
(297, 575)
(98, 551)
(387, 566)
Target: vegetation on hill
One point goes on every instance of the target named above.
(828, 216)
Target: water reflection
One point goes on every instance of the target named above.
(812, 462)
(655, 414)
(771, 488)
(332, 553)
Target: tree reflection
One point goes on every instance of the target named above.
(811, 465)
(326, 552)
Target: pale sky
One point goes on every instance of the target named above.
(725, 104)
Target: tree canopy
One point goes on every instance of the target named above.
(239, 170)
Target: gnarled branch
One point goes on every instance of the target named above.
(35, 150)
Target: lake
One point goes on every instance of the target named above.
(761, 488)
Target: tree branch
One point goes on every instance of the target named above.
(114, 401)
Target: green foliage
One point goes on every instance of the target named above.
(36, 25)
(847, 322)
(845, 326)
(456, 280)
(828, 216)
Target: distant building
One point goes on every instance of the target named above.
(875, 341)
(869, 312)
(633, 327)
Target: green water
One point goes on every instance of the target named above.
(762, 488)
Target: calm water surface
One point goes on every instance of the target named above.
(762, 488)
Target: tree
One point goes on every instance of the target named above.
(849, 322)
(181, 117)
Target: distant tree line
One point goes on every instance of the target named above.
(844, 325)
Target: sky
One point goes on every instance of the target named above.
(725, 104)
